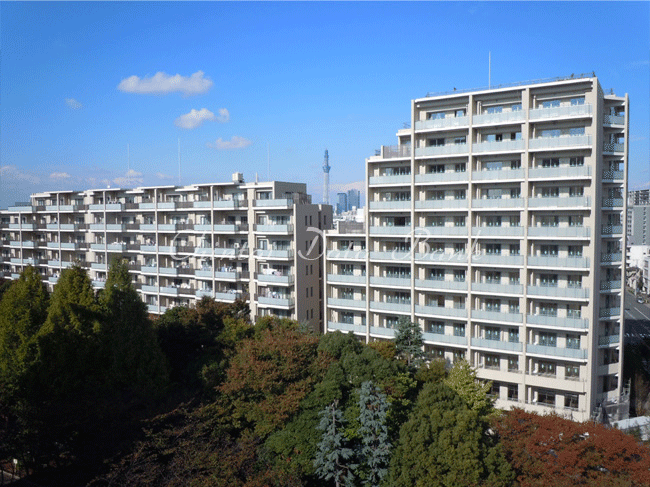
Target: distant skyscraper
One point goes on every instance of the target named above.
(342, 204)
(354, 198)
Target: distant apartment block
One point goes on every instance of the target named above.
(224, 240)
(638, 197)
(496, 224)
(637, 224)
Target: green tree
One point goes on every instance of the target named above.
(334, 458)
(409, 342)
(462, 379)
(130, 353)
(375, 449)
(444, 443)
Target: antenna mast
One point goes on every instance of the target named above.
(326, 179)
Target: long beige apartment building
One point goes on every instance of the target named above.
(497, 225)
(224, 240)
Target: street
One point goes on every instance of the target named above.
(637, 319)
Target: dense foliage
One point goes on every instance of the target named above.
(92, 391)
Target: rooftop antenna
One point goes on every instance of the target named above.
(326, 179)
(128, 165)
(179, 161)
(489, 69)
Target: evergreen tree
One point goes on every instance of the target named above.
(446, 444)
(129, 348)
(462, 379)
(409, 342)
(376, 449)
(334, 458)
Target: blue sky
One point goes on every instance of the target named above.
(78, 82)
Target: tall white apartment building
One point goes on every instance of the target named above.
(224, 240)
(497, 225)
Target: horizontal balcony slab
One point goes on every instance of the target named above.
(560, 172)
(559, 292)
(497, 345)
(441, 311)
(558, 322)
(346, 303)
(480, 314)
(346, 327)
(571, 353)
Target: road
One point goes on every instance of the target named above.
(637, 319)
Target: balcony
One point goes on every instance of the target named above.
(441, 311)
(346, 254)
(442, 123)
(563, 202)
(382, 332)
(440, 204)
(607, 340)
(149, 289)
(389, 205)
(485, 231)
(386, 230)
(390, 281)
(346, 303)
(279, 228)
(391, 255)
(612, 230)
(500, 146)
(441, 177)
(229, 297)
(613, 176)
(558, 322)
(276, 203)
(611, 147)
(457, 258)
(613, 119)
(401, 179)
(440, 338)
(225, 228)
(226, 275)
(573, 353)
(274, 254)
(559, 232)
(285, 302)
(441, 285)
(393, 151)
(283, 279)
(498, 260)
(501, 175)
(98, 266)
(516, 116)
(542, 143)
(222, 252)
(611, 286)
(497, 288)
(221, 204)
(440, 231)
(555, 261)
(341, 279)
(489, 315)
(169, 290)
(95, 246)
(390, 307)
(559, 292)
(99, 284)
(564, 172)
(608, 259)
(346, 327)
(498, 203)
(584, 110)
(21, 208)
(610, 312)
(497, 345)
(441, 150)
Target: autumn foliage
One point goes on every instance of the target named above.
(552, 451)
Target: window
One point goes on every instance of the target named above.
(513, 335)
(459, 248)
(460, 112)
(515, 193)
(436, 143)
(577, 131)
(438, 221)
(548, 339)
(576, 161)
(573, 341)
(546, 397)
(548, 309)
(493, 277)
(546, 368)
(437, 274)
(515, 164)
(459, 194)
(516, 107)
(460, 167)
(513, 306)
(436, 115)
(514, 278)
(575, 220)
(571, 401)
(493, 249)
(514, 248)
(492, 333)
(549, 221)
(492, 110)
(459, 275)
(391, 321)
(574, 281)
(575, 251)
(550, 192)
(459, 330)
(438, 195)
(554, 162)
(551, 104)
(459, 302)
(513, 364)
(513, 392)
(460, 140)
(346, 293)
(437, 327)
(493, 305)
(573, 312)
(459, 355)
(438, 168)
(347, 317)
(493, 221)
(576, 191)
(491, 361)
(578, 101)
(548, 280)
(515, 220)
(459, 221)
(572, 372)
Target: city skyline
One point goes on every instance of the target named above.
(98, 94)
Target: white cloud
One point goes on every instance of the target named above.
(194, 119)
(224, 115)
(161, 175)
(12, 173)
(129, 178)
(235, 142)
(59, 175)
(74, 104)
(162, 83)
